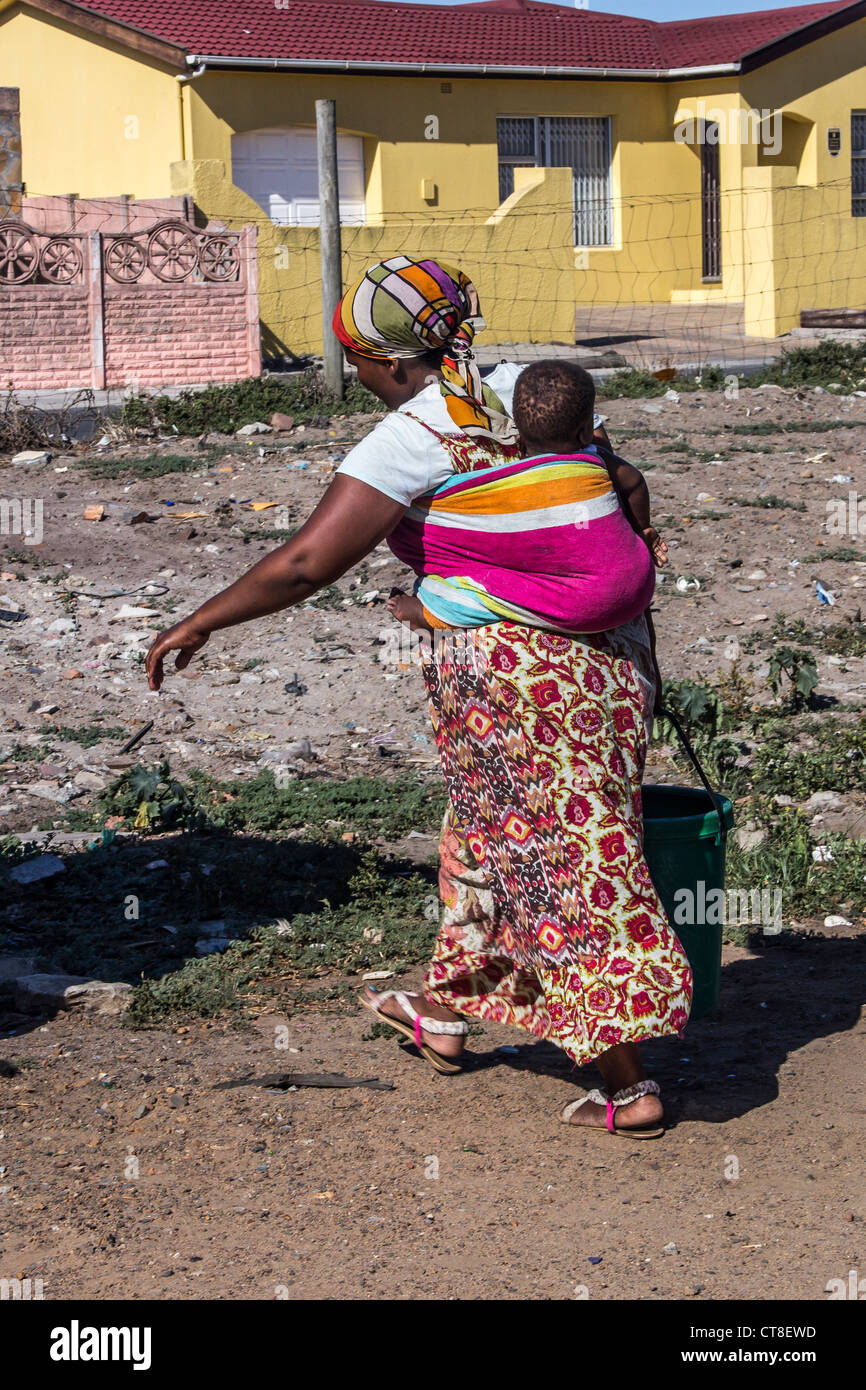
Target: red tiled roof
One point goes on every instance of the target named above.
(496, 33)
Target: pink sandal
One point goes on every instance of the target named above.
(458, 1029)
(612, 1104)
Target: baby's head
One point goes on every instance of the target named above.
(553, 407)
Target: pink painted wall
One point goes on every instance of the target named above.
(97, 332)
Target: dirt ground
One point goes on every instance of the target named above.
(123, 1172)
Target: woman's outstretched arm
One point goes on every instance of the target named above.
(350, 521)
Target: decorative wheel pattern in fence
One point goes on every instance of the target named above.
(125, 259)
(61, 261)
(19, 254)
(219, 258)
(171, 251)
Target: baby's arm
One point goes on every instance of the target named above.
(633, 493)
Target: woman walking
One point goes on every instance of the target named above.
(551, 920)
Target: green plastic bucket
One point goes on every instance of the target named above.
(685, 852)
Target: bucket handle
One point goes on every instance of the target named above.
(696, 763)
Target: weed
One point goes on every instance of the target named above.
(150, 465)
(842, 554)
(824, 364)
(152, 800)
(769, 501)
(798, 668)
(225, 409)
(87, 735)
(632, 382)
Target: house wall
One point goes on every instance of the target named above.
(115, 122)
(96, 120)
(96, 331)
(789, 241)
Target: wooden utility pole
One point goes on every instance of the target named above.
(329, 233)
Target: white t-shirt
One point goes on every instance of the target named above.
(402, 459)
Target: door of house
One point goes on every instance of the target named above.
(279, 169)
(711, 205)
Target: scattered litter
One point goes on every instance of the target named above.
(684, 583)
(595, 1259)
(671, 395)
(670, 1249)
(322, 1196)
(282, 1081)
(824, 595)
(508, 1050)
(34, 870)
(157, 864)
(94, 512)
(9, 615)
(128, 611)
(257, 427)
(835, 920)
(378, 975)
(822, 854)
(840, 478)
(261, 506)
(31, 456)
(817, 458)
(136, 737)
(184, 516)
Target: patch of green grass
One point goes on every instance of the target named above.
(792, 426)
(632, 382)
(152, 800)
(385, 922)
(87, 735)
(24, 753)
(843, 554)
(270, 533)
(769, 501)
(226, 409)
(838, 639)
(784, 860)
(150, 465)
(826, 363)
(331, 597)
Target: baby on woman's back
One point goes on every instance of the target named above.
(561, 538)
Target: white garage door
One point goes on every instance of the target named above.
(278, 169)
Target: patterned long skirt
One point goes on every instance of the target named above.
(551, 920)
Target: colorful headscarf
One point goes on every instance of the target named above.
(404, 307)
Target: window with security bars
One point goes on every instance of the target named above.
(581, 143)
(858, 163)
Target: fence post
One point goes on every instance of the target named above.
(247, 246)
(95, 281)
(10, 153)
(329, 236)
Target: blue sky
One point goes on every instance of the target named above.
(674, 9)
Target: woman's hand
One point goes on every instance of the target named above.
(351, 520)
(185, 638)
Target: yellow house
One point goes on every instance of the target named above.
(564, 157)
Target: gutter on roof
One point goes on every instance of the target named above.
(475, 69)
